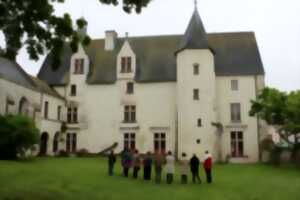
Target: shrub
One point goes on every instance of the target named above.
(297, 159)
(267, 144)
(275, 155)
(63, 153)
(17, 135)
(83, 153)
(296, 154)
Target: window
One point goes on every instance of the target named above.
(34, 114)
(196, 94)
(24, 107)
(160, 142)
(199, 122)
(46, 108)
(9, 102)
(58, 112)
(71, 142)
(235, 112)
(129, 140)
(237, 144)
(75, 120)
(126, 65)
(55, 142)
(130, 88)
(72, 116)
(234, 85)
(196, 68)
(129, 114)
(79, 66)
(73, 90)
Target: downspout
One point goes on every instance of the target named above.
(176, 135)
(257, 122)
(41, 103)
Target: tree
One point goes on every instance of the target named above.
(17, 135)
(279, 109)
(32, 24)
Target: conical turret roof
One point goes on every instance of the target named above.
(195, 36)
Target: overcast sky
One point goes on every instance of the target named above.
(276, 24)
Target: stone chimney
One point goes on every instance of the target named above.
(110, 40)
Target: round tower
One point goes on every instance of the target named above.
(196, 90)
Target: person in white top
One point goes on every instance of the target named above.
(184, 169)
(170, 168)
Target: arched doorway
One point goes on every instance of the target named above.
(55, 142)
(44, 143)
(23, 106)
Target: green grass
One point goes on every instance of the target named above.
(87, 179)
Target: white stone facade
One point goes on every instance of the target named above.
(167, 108)
(192, 114)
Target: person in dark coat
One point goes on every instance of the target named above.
(194, 164)
(126, 161)
(208, 166)
(111, 162)
(136, 164)
(159, 161)
(147, 166)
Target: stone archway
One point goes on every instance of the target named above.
(44, 143)
(56, 142)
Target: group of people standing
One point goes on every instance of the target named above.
(133, 160)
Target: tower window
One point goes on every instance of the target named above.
(199, 122)
(196, 68)
(130, 88)
(196, 94)
(126, 65)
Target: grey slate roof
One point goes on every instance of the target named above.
(13, 72)
(235, 54)
(195, 36)
(45, 88)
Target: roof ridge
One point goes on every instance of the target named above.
(231, 32)
(143, 36)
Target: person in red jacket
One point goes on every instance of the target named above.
(208, 166)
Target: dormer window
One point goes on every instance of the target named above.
(79, 66)
(126, 65)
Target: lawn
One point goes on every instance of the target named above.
(87, 179)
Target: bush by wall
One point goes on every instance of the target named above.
(17, 135)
